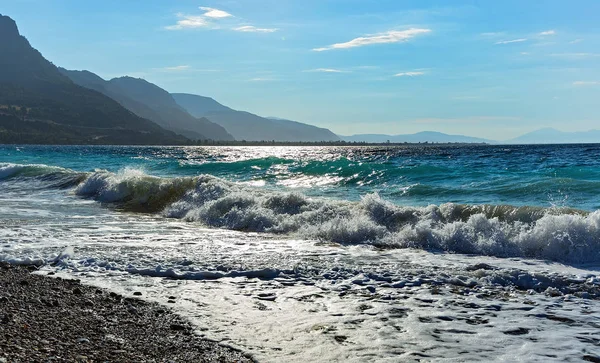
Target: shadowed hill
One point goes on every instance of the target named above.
(247, 126)
(147, 100)
(38, 104)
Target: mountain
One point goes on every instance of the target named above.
(149, 101)
(199, 105)
(247, 126)
(553, 136)
(424, 136)
(38, 104)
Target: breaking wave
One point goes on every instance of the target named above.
(558, 234)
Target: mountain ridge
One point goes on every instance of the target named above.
(38, 104)
(247, 126)
(150, 101)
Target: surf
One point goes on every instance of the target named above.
(558, 234)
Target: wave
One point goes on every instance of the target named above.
(49, 176)
(558, 234)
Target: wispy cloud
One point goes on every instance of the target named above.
(575, 41)
(198, 21)
(586, 83)
(189, 22)
(327, 70)
(253, 29)
(210, 18)
(490, 35)
(547, 32)
(176, 68)
(512, 41)
(262, 79)
(575, 55)
(215, 13)
(392, 36)
(409, 74)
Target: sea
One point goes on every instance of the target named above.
(328, 254)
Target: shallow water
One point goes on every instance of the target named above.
(319, 254)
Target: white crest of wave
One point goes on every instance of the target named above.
(489, 230)
(564, 237)
(134, 188)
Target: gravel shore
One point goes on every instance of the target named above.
(44, 319)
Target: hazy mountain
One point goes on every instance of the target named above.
(199, 105)
(38, 104)
(553, 136)
(147, 100)
(247, 126)
(424, 136)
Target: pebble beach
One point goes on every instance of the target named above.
(50, 319)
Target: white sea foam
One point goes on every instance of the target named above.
(294, 300)
(552, 233)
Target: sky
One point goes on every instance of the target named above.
(492, 69)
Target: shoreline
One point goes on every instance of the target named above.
(52, 319)
(275, 143)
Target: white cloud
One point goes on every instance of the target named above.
(575, 41)
(177, 68)
(409, 74)
(188, 22)
(548, 32)
(327, 70)
(262, 79)
(575, 55)
(215, 13)
(253, 29)
(392, 36)
(512, 41)
(209, 20)
(493, 34)
(586, 83)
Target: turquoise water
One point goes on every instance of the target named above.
(525, 201)
(543, 176)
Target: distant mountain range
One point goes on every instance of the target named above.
(247, 126)
(542, 136)
(38, 104)
(425, 136)
(553, 136)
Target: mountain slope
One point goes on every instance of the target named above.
(424, 136)
(553, 136)
(305, 131)
(38, 104)
(247, 126)
(198, 105)
(152, 102)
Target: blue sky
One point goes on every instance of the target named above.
(492, 69)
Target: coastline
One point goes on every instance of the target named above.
(45, 318)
